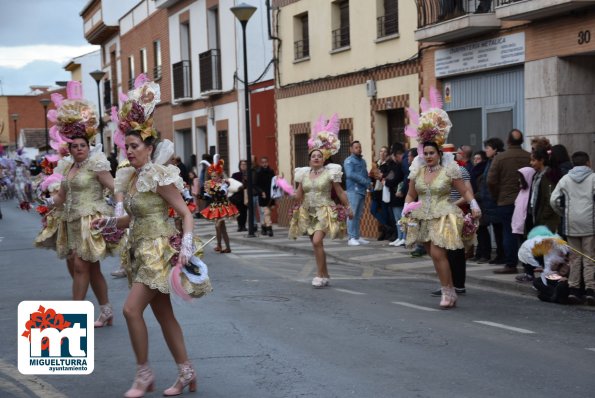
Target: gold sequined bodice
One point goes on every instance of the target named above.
(84, 194)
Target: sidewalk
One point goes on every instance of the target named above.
(378, 255)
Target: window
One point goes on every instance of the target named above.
(302, 44)
(143, 60)
(223, 149)
(156, 60)
(300, 149)
(130, 72)
(388, 19)
(114, 77)
(340, 24)
(395, 120)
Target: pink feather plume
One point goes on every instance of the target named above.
(140, 80)
(333, 124)
(123, 97)
(285, 186)
(424, 105)
(435, 98)
(410, 131)
(53, 115)
(175, 282)
(319, 126)
(74, 90)
(114, 115)
(409, 207)
(57, 99)
(53, 158)
(50, 180)
(413, 116)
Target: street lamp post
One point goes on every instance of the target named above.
(45, 102)
(15, 117)
(243, 12)
(97, 75)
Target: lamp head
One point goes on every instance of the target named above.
(14, 116)
(45, 102)
(243, 12)
(97, 75)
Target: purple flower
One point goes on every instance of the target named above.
(72, 130)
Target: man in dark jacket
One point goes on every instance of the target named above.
(264, 176)
(503, 185)
(394, 181)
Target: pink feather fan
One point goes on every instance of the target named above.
(285, 186)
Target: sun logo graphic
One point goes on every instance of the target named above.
(56, 337)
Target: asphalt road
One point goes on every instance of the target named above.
(264, 332)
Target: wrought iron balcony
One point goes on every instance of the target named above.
(209, 64)
(301, 49)
(387, 25)
(529, 10)
(182, 80)
(341, 37)
(450, 20)
(131, 83)
(157, 72)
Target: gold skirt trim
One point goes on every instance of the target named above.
(444, 232)
(306, 221)
(87, 243)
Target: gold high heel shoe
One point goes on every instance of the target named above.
(143, 382)
(449, 298)
(106, 316)
(186, 377)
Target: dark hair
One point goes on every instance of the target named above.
(149, 141)
(82, 137)
(494, 143)
(242, 161)
(315, 150)
(354, 142)
(413, 152)
(207, 157)
(483, 155)
(397, 148)
(543, 142)
(512, 140)
(264, 157)
(523, 181)
(540, 153)
(558, 155)
(432, 144)
(580, 158)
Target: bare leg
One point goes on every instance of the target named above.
(218, 232)
(81, 277)
(172, 332)
(319, 254)
(441, 264)
(223, 229)
(98, 284)
(139, 297)
(70, 265)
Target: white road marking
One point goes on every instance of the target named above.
(349, 291)
(417, 307)
(501, 326)
(31, 382)
(590, 349)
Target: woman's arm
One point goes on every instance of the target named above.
(174, 199)
(58, 199)
(106, 179)
(462, 200)
(343, 197)
(411, 192)
(299, 193)
(467, 193)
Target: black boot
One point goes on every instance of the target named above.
(263, 230)
(270, 231)
(382, 231)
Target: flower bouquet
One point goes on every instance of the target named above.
(341, 212)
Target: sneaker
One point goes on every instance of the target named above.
(119, 273)
(353, 242)
(318, 282)
(400, 242)
(590, 297)
(436, 293)
(524, 278)
(363, 241)
(461, 291)
(483, 260)
(497, 261)
(575, 296)
(394, 242)
(506, 270)
(417, 253)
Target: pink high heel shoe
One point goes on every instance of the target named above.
(449, 298)
(106, 316)
(186, 377)
(143, 382)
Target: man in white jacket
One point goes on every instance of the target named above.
(573, 198)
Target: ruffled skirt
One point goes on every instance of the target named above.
(53, 236)
(87, 243)
(218, 211)
(444, 231)
(149, 262)
(306, 221)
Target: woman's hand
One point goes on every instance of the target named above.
(350, 213)
(99, 223)
(476, 213)
(182, 260)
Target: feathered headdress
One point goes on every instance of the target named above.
(74, 117)
(136, 112)
(433, 124)
(216, 166)
(325, 136)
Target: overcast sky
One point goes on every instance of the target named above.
(37, 38)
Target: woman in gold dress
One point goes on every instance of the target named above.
(437, 223)
(317, 215)
(149, 190)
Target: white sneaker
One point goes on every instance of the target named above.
(363, 241)
(318, 282)
(401, 242)
(353, 242)
(394, 242)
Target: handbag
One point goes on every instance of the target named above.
(386, 194)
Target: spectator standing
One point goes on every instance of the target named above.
(240, 198)
(394, 181)
(503, 186)
(378, 208)
(464, 155)
(573, 198)
(202, 177)
(264, 176)
(540, 212)
(357, 182)
(183, 169)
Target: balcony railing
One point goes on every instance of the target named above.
(341, 37)
(182, 74)
(431, 12)
(107, 95)
(157, 72)
(388, 25)
(209, 63)
(301, 49)
(131, 83)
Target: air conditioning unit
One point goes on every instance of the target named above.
(371, 88)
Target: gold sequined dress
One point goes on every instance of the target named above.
(437, 220)
(84, 203)
(148, 246)
(317, 211)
